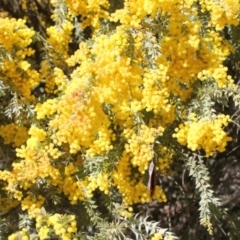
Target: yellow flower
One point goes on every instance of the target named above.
(157, 236)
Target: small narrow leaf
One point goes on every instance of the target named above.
(152, 178)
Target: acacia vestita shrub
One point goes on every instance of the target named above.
(125, 89)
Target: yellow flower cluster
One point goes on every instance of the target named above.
(134, 11)
(165, 159)
(80, 55)
(15, 38)
(209, 226)
(131, 186)
(75, 190)
(23, 235)
(61, 79)
(14, 33)
(185, 50)
(78, 124)
(210, 136)
(48, 108)
(156, 236)
(33, 205)
(155, 91)
(47, 74)
(10, 187)
(78, 190)
(7, 203)
(37, 133)
(59, 40)
(185, 65)
(140, 145)
(101, 181)
(62, 225)
(222, 12)
(90, 11)
(126, 213)
(102, 143)
(219, 74)
(21, 76)
(13, 134)
(36, 164)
